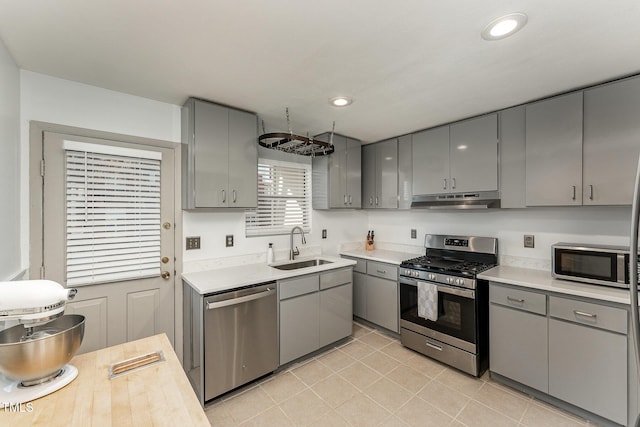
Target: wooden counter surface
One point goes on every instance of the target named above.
(156, 395)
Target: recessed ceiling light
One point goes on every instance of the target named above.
(340, 101)
(504, 26)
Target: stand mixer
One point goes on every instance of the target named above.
(34, 353)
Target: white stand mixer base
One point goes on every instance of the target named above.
(12, 393)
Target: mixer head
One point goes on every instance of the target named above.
(33, 302)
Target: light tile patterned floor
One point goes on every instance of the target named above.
(374, 380)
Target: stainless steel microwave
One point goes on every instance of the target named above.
(596, 264)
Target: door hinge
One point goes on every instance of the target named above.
(42, 271)
(42, 167)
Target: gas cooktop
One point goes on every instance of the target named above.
(443, 265)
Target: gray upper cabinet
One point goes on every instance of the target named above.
(219, 156)
(512, 158)
(473, 155)
(611, 142)
(431, 161)
(405, 171)
(459, 158)
(380, 175)
(554, 151)
(336, 178)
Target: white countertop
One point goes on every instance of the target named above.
(542, 280)
(223, 279)
(381, 255)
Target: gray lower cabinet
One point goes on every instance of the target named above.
(315, 310)
(375, 293)
(573, 349)
(588, 356)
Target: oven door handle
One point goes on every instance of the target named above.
(444, 289)
(459, 292)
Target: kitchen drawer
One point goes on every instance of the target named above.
(335, 278)
(385, 271)
(518, 298)
(290, 288)
(586, 313)
(360, 267)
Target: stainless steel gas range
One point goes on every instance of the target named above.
(444, 307)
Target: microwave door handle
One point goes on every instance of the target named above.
(458, 292)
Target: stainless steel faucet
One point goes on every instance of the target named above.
(292, 252)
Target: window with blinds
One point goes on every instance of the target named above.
(284, 199)
(112, 213)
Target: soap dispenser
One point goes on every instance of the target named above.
(270, 254)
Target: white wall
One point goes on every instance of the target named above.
(10, 244)
(53, 100)
(603, 225)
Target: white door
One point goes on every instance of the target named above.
(108, 231)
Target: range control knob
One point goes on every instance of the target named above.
(432, 276)
(416, 274)
(449, 280)
(459, 281)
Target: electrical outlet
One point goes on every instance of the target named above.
(229, 240)
(414, 233)
(529, 241)
(193, 243)
(324, 233)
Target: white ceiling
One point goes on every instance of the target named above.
(408, 64)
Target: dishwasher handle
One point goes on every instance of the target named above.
(240, 300)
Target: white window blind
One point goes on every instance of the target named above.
(112, 215)
(284, 199)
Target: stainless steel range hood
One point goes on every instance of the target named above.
(479, 200)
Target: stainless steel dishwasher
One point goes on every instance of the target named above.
(240, 333)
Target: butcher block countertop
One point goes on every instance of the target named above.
(155, 395)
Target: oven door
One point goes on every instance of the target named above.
(456, 323)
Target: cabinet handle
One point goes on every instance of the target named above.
(350, 199)
(345, 199)
(584, 314)
(224, 196)
(382, 271)
(590, 192)
(574, 193)
(234, 196)
(376, 200)
(453, 183)
(371, 201)
(433, 346)
(444, 187)
(512, 299)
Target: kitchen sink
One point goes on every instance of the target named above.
(302, 264)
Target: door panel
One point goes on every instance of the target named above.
(369, 176)
(95, 322)
(243, 159)
(387, 174)
(431, 161)
(211, 155)
(121, 310)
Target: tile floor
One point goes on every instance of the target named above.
(373, 380)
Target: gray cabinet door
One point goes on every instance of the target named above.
(243, 160)
(405, 172)
(211, 168)
(338, 173)
(588, 368)
(611, 142)
(368, 176)
(360, 295)
(554, 151)
(512, 158)
(336, 313)
(353, 175)
(431, 161)
(299, 326)
(473, 153)
(387, 174)
(382, 302)
(518, 346)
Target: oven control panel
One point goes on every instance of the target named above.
(438, 278)
(461, 243)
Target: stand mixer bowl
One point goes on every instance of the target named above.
(35, 355)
